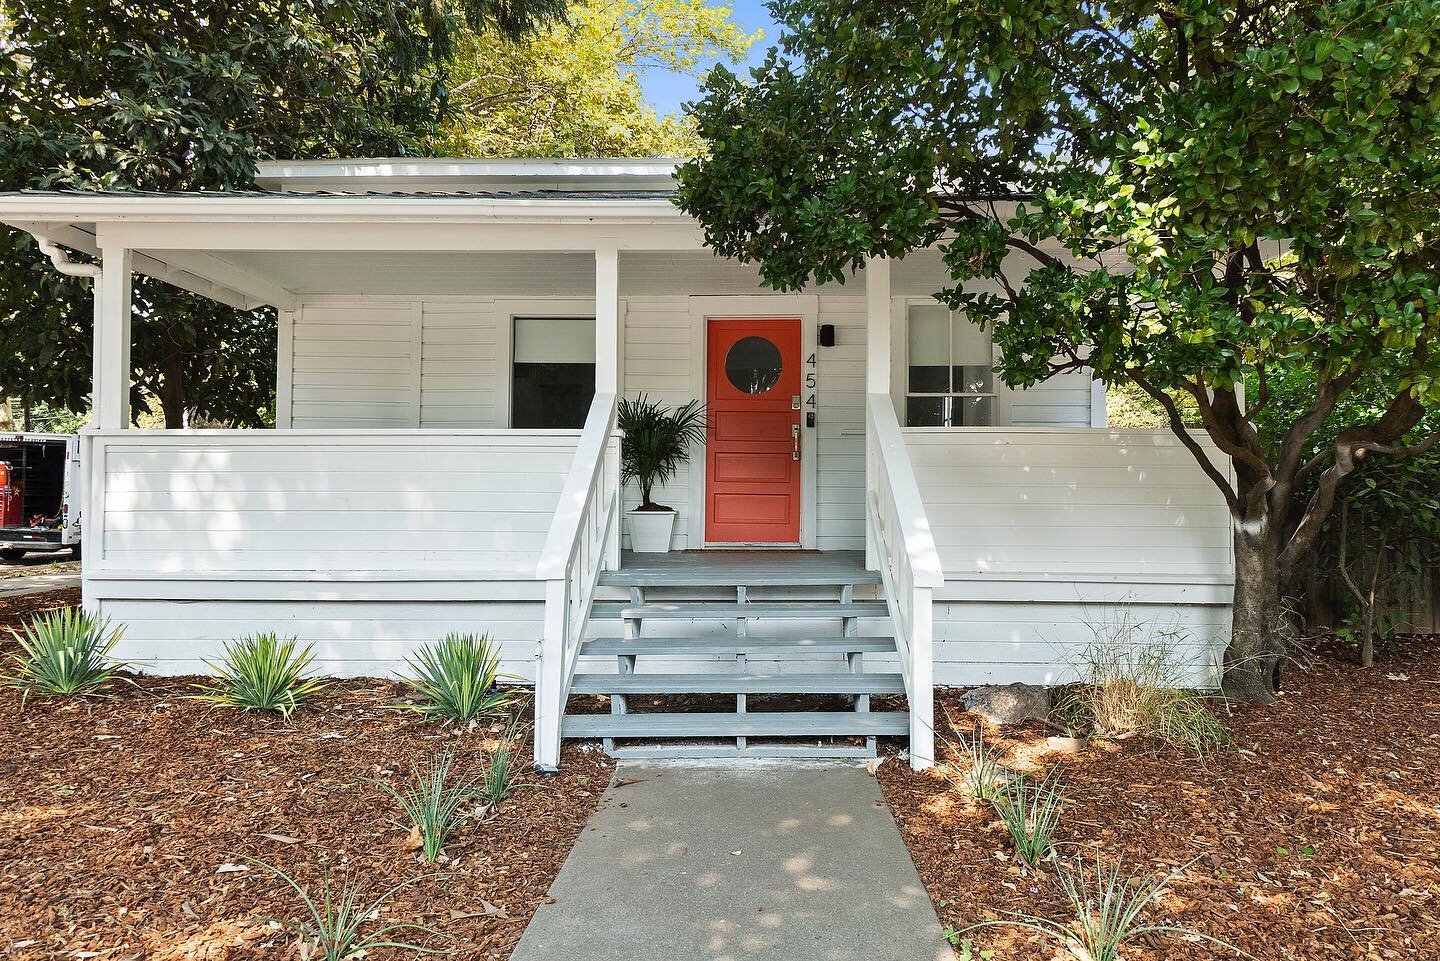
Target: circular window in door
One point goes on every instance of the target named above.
(753, 365)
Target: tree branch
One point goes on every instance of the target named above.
(1177, 427)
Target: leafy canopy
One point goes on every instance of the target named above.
(1174, 194)
(573, 89)
(189, 95)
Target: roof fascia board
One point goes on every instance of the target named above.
(406, 174)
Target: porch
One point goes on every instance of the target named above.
(407, 491)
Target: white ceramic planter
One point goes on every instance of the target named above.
(650, 531)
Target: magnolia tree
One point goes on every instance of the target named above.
(1241, 191)
(188, 95)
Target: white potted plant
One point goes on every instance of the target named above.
(657, 441)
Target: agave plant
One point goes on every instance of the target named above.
(333, 928)
(433, 801)
(458, 679)
(657, 441)
(263, 673)
(1107, 904)
(64, 652)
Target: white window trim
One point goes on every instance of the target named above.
(506, 310)
(900, 374)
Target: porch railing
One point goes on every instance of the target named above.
(584, 539)
(904, 551)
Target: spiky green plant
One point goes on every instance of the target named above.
(263, 673)
(1107, 906)
(657, 441)
(65, 653)
(1031, 813)
(983, 775)
(433, 801)
(335, 920)
(458, 679)
(499, 771)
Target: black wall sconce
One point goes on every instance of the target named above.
(827, 335)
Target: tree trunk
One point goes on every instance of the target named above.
(172, 392)
(1253, 658)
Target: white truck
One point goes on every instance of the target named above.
(39, 494)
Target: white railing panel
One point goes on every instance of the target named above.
(903, 548)
(582, 541)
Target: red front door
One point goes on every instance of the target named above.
(752, 458)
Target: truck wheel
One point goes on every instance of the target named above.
(12, 554)
(75, 551)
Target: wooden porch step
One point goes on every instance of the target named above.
(755, 646)
(777, 724)
(705, 610)
(831, 683)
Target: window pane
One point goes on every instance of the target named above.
(929, 380)
(970, 345)
(753, 365)
(929, 347)
(552, 396)
(972, 411)
(925, 411)
(553, 376)
(975, 379)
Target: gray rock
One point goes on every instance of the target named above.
(1008, 703)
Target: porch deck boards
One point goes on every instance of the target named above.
(750, 568)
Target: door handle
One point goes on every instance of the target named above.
(795, 438)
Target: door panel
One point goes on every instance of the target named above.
(752, 474)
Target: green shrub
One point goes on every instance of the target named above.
(333, 928)
(433, 801)
(458, 679)
(64, 652)
(1106, 905)
(1031, 813)
(263, 673)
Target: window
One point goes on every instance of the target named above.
(553, 374)
(948, 377)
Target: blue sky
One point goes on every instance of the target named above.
(667, 91)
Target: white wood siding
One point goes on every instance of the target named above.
(464, 364)
(356, 366)
(1050, 536)
(243, 501)
(353, 638)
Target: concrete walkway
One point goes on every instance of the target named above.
(37, 584)
(755, 861)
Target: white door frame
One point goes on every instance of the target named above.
(802, 307)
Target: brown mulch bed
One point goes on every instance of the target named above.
(122, 821)
(1316, 837)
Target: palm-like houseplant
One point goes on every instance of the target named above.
(657, 441)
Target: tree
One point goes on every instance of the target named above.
(1243, 189)
(188, 95)
(573, 89)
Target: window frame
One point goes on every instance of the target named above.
(557, 310)
(900, 370)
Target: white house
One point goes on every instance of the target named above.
(454, 336)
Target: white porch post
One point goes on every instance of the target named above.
(110, 391)
(877, 371)
(607, 320)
